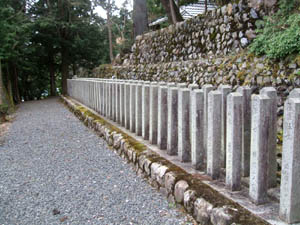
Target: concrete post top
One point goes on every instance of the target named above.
(215, 92)
(224, 86)
(193, 86)
(293, 100)
(154, 83)
(269, 91)
(147, 82)
(184, 89)
(234, 94)
(295, 93)
(198, 91)
(163, 87)
(259, 97)
(171, 84)
(173, 88)
(181, 85)
(207, 85)
(162, 83)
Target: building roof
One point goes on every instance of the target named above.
(188, 11)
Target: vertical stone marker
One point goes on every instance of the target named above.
(132, 106)
(153, 113)
(225, 90)
(184, 147)
(162, 129)
(246, 93)
(145, 111)
(258, 184)
(127, 105)
(113, 100)
(107, 99)
(234, 141)
(272, 138)
(197, 124)
(118, 85)
(290, 174)
(172, 139)
(206, 89)
(214, 121)
(122, 104)
(138, 110)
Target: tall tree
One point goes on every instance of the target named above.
(140, 17)
(172, 11)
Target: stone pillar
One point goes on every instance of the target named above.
(138, 110)
(162, 129)
(153, 113)
(234, 141)
(107, 114)
(225, 90)
(145, 111)
(184, 147)
(290, 174)
(206, 89)
(246, 93)
(113, 101)
(122, 104)
(258, 185)
(104, 99)
(132, 106)
(127, 105)
(272, 138)
(118, 85)
(214, 138)
(197, 124)
(172, 145)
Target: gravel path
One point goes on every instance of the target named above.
(54, 170)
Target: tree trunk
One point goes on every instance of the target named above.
(205, 6)
(172, 11)
(64, 70)
(4, 99)
(108, 13)
(140, 17)
(52, 79)
(15, 86)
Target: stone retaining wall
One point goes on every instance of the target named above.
(220, 32)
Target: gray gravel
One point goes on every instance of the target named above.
(54, 170)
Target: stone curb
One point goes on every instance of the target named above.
(169, 179)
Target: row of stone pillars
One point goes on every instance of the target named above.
(209, 128)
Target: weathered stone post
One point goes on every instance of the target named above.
(145, 111)
(214, 138)
(172, 146)
(258, 185)
(246, 93)
(234, 141)
(184, 146)
(127, 105)
(206, 89)
(272, 138)
(197, 124)
(107, 99)
(225, 90)
(290, 173)
(162, 127)
(132, 106)
(153, 113)
(138, 110)
(122, 104)
(118, 119)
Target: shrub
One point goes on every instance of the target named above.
(279, 34)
